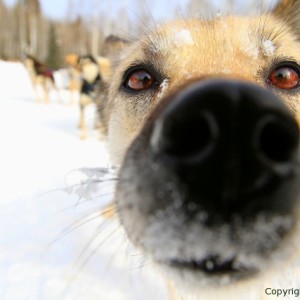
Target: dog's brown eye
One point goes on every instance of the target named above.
(140, 80)
(285, 78)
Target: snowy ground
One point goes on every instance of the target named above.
(54, 244)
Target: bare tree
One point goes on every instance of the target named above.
(24, 29)
(30, 19)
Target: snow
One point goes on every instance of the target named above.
(252, 50)
(163, 88)
(268, 47)
(178, 38)
(54, 244)
(183, 38)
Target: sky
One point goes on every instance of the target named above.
(53, 8)
(57, 9)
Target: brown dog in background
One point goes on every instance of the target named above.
(41, 77)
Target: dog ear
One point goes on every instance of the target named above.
(289, 12)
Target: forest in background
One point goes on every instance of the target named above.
(24, 29)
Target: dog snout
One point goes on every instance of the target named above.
(230, 143)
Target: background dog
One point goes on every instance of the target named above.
(201, 118)
(41, 76)
(74, 76)
(90, 86)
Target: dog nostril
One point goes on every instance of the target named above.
(277, 139)
(186, 136)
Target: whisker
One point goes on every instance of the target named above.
(73, 225)
(92, 254)
(85, 249)
(136, 255)
(96, 248)
(74, 206)
(139, 267)
(47, 193)
(79, 223)
(151, 16)
(69, 229)
(140, 20)
(95, 176)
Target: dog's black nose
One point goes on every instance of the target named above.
(231, 144)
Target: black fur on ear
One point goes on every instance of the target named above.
(289, 12)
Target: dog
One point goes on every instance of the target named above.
(74, 72)
(94, 73)
(42, 78)
(88, 79)
(201, 121)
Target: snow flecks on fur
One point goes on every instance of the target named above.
(226, 71)
(249, 46)
(183, 38)
(268, 47)
(252, 51)
(251, 238)
(178, 38)
(163, 88)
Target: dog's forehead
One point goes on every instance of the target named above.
(220, 46)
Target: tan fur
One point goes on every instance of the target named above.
(218, 46)
(232, 47)
(84, 101)
(105, 68)
(75, 76)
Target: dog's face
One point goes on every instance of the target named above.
(203, 123)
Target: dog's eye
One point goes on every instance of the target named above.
(285, 77)
(139, 80)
